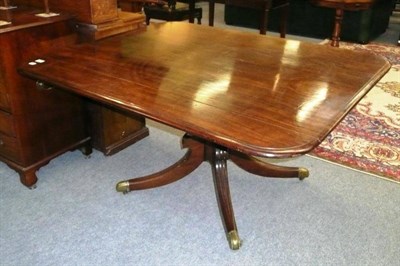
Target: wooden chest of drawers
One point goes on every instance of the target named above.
(35, 124)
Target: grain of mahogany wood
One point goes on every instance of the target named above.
(260, 95)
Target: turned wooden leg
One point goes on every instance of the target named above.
(217, 158)
(337, 27)
(258, 167)
(190, 161)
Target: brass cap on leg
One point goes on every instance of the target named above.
(123, 187)
(234, 240)
(303, 173)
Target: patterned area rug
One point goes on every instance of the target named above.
(368, 139)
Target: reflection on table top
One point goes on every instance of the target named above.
(257, 94)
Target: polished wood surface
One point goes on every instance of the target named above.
(262, 96)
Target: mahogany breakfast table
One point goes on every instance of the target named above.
(236, 95)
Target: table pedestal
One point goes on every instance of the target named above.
(200, 151)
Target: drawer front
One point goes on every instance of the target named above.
(4, 104)
(6, 124)
(9, 148)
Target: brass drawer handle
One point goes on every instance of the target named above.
(1, 142)
(40, 85)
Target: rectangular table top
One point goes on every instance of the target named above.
(260, 95)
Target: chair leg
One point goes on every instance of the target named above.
(283, 20)
(211, 11)
(191, 11)
(284, 10)
(337, 27)
(264, 17)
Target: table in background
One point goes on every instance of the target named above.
(340, 6)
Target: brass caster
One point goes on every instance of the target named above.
(123, 187)
(303, 173)
(234, 240)
(86, 151)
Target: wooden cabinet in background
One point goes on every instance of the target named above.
(36, 124)
(96, 19)
(87, 11)
(131, 5)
